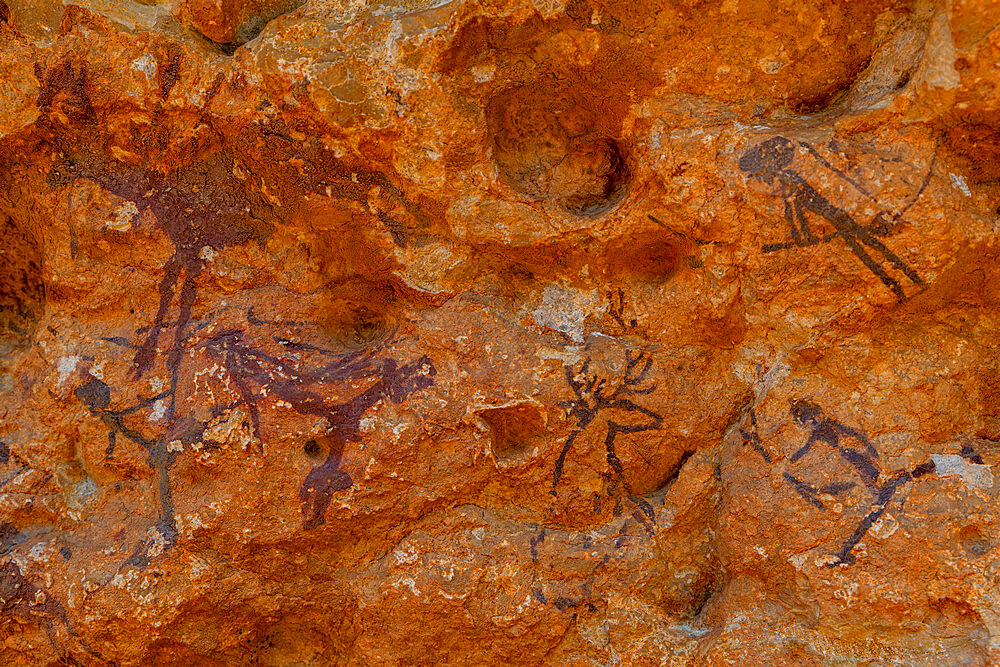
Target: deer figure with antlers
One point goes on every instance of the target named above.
(593, 397)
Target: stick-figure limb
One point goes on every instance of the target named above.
(753, 437)
(614, 429)
(845, 555)
(863, 465)
(189, 292)
(806, 490)
(775, 247)
(791, 216)
(557, 473)
(804, 449)
(243, 386)
(144, 356)
(850, 238)
(837, 488)
(632, 380)
(884, 495)
(655, 419)
(807, 238)
(873, 242)
(319, 486)
(860, 437)
(231, 362)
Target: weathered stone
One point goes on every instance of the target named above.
(233, 22)
(578, 332)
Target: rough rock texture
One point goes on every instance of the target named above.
(588, 332)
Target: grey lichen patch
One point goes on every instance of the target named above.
(974, 475)
(566, 309)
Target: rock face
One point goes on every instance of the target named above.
(588, 332)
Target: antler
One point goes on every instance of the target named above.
(633, 378)
(581, 387)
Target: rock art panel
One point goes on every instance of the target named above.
(586, 332)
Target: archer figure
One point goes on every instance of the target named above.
(96, 396)
(771, 161)
(864, 461)
(592, 399)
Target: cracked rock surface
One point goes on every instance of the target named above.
(348, 332)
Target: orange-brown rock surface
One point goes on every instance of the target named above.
(628, 332)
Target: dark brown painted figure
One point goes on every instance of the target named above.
(23, 599)
(395, 383)
(771, 162)
(592, 399)
(826, 434)
(203, 207)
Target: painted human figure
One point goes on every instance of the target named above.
(864, 460)
(251, 368)
(395, 383)
(829, 434)
(770, 162)
(96, 396)
(22, 599)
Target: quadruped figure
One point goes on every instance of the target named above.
(771, 162)
(593, 398)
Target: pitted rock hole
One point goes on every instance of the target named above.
(650, 257)
(233, 23)
(549, 144)
(352, 325)
(314, 450)
(515, 431)
(974, 542)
